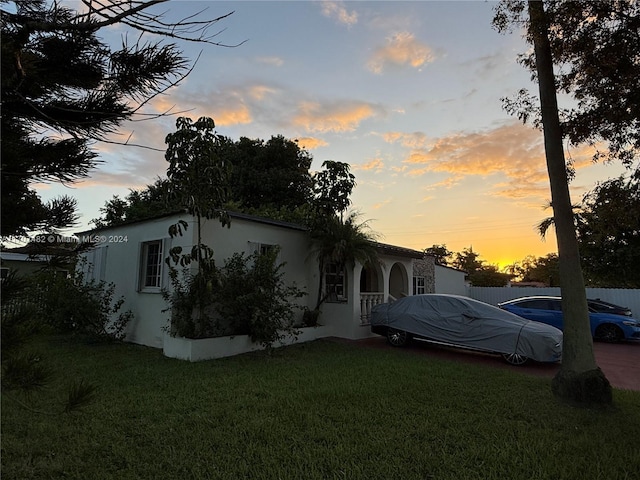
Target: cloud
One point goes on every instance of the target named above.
(272, 61)
(259, 92)
(376, 165)
(410, 140)
(512, 150)
(379, 205)
(310, 143)
(332, 117)
(402, 49)
(338, 12)
(232, 115)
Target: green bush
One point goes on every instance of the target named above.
(72, 304)
(191, 302)
(247, 296)
(254, 298)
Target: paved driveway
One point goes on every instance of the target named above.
(620, 362)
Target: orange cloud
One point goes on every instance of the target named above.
(232, 115)
(343, 117)
(376, 164)
(401, 50)
(513, 150)
(410, 140)
(310, 143)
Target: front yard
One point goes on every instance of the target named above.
(321, 410)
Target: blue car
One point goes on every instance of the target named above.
(604, 326)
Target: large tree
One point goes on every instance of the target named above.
(267, 174)
(609, 233)
(64, 88)
(579, 379)
(596, 51)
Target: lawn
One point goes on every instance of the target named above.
(322, 410)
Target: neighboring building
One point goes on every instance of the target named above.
(450, 280)
(429, 277)
(25, 261)
(132, 257)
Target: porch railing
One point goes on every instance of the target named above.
(367, 301)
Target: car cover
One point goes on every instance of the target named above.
(462, 321)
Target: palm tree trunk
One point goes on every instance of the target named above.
(579, 380)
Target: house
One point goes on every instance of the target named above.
(132, 257)
(31, 258)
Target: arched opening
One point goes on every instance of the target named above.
(398, 281)
(371, 291)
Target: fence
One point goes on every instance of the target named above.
(629, 298)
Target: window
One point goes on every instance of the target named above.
(4, 273)
(418, 286)
(261, 248)
(151, 277)
(335, 283)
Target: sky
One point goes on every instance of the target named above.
(408, 93)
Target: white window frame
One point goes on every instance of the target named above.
(261, 248)
(419, 285)
(145, 276)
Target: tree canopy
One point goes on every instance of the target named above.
(268, 178)
(608, 230)
(596, 51)
(64, 88)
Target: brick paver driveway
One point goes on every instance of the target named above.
(620, 362)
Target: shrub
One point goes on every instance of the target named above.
(255, 299)
(75, 305)
(247, 296)
(189, 294)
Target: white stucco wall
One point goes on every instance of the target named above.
(449, 280)
(119, 262)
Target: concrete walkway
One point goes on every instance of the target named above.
(620, 362)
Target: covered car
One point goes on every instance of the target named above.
(468, 323)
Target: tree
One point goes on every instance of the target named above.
(440, 253)
(579, 380)
(542, 269)
(479, 274)
(63, 88)
(199, 183)
(138, 205)
(467, 261)
(596, 49)
(341, 244)
(489, 276)
(268, 174)
(333, 187)
(609, 233)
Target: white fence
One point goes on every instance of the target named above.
(629, 298)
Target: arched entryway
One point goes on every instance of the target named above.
(371, 291)
(398, 281)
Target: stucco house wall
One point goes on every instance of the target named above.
(450, 280)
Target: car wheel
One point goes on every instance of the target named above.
(397, 338)
(514, 359)
(609, 333)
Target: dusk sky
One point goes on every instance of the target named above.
(407, 93)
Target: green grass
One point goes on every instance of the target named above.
(322, 410)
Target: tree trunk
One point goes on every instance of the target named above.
(579, 380)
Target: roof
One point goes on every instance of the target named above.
(383, 248)
(238, 215)
(387, 249)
